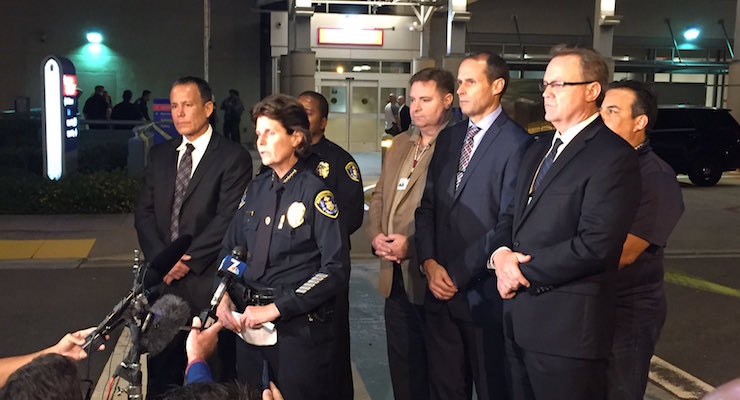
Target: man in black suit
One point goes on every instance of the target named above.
(470, 178)
(192, 187)
(558, 245)
(404, 114)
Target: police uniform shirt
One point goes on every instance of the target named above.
(308, 255)
(341, 173)
(661, 206)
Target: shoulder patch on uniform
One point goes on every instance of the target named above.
(326, 205)
(353, 171)
(322, 169)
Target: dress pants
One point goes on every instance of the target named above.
(341, 366)
(640, 318)
(461, 352)
(540, 376)
(298, 363)
(404, 330)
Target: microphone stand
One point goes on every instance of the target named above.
(130, 367)
(133, 310)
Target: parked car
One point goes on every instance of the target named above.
(698, 141)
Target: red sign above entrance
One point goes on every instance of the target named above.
(360, 37)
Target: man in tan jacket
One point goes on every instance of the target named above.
(395, 198)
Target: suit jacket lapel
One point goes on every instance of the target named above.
(209, 158)
(571, 150)
(391, 184)
(488, 138)
(170, 171)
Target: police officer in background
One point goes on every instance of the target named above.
(341, 174)
(629, 109)
(288, 221)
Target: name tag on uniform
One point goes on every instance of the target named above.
(403, 183)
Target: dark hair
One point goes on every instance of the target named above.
(593, 66)
(145, 92)
(323, 104)
(99, 88)
(206, 94)
(645, 100)
(443, 78)
(290, 113)
(47, 377)
(127, 95)
(496, 67)
(212, 391)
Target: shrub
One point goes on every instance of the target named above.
(98, 192)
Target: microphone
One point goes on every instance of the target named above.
(232, 268)
(151, 276)
(162, 323)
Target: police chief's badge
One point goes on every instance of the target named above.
(295, 214)
(323, 169)
(353, 171)
(326, 205)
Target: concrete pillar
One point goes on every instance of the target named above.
(299, 66)
(285, 74)
(417, 64)
(425, 41)
(302, 69)
(604, 23)
(733, 75)
(300, 33)
(457, 18)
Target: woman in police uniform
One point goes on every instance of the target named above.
(288, 222)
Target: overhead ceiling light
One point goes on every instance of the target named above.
(94, 37)
(691, 33)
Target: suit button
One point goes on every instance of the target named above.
(516, 244)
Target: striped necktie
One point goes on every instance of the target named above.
(465, 154)
(184, 170)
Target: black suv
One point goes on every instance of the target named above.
(698, 141)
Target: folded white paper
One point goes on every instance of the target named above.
(264, 336)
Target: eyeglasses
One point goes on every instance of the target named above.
(560, 84)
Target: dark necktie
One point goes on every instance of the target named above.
(261, 249)
(546, 164)
(181, 185)
(465, 154)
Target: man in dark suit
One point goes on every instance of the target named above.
(192, 187)
(404, 114)
(471, 177)
(558, 245)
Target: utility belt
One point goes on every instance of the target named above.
(257, 294)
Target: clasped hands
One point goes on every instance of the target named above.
(393, 247)
(508, 275)
(178, 271)
(253, 316)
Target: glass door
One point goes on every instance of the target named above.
(353, 116)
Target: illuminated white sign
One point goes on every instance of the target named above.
(54, 147)
(60, 114)
(362, 37)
